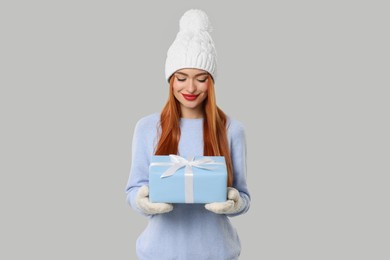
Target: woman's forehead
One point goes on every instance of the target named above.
(191, 72)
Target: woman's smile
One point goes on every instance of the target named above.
(190, 97)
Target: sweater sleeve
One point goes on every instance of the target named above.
(139, 169)
(238, 151)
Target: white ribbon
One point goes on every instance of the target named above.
(178, 162)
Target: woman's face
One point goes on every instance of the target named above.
(190, 89)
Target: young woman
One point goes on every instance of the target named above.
(189, 124)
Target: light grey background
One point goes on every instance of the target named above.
(309, 79)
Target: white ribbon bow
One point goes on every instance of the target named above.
(180, 162)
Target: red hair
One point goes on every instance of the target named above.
(215, 141)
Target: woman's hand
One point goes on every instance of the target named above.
(148, 207)
(231, 206)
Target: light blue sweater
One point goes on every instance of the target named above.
(189, 231)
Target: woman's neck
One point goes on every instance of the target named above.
(191, 113)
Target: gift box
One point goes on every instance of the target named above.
(174, 179)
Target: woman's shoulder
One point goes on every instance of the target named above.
(234, 124)
(148, 122)
(151, 118)
(235, 127)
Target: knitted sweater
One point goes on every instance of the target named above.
(189, 231)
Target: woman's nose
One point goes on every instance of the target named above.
(191, 88)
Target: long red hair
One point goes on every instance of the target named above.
(214, 128)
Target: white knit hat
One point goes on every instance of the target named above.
(193, 46)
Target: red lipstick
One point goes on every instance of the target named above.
(190, 97)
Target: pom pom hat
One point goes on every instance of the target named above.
(193, 46)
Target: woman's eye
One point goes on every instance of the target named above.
(181, 79)
(202, 80)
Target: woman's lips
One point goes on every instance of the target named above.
(190, 97)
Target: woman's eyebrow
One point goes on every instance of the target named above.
(203, 73)
(182, 73)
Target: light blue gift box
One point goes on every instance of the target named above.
(174, 179)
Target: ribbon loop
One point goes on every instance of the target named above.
(179, 162)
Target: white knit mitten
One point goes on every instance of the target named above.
(148, 207)
(231, 206)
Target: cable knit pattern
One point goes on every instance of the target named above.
(189, 231)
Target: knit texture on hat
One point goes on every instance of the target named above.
(193, 46)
